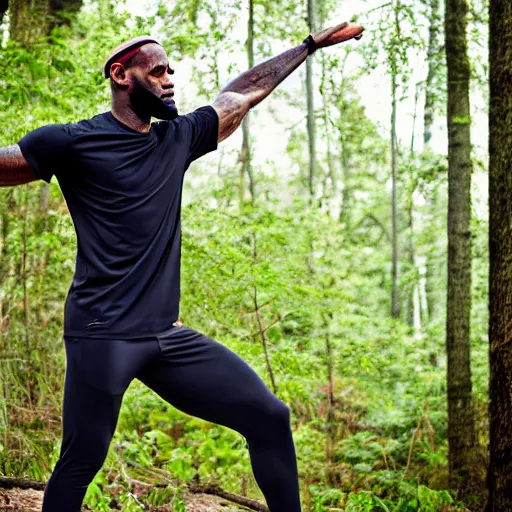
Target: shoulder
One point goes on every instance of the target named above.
(201, 114)
(46, 137)
(86, 126)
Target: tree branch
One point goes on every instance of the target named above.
(216, 490)
(21, 483)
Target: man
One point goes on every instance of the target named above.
(121, 177)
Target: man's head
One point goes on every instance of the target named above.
(139, 73)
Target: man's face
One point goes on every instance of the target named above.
(151, 90)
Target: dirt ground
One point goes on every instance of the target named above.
(31, 501)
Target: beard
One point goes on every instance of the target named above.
(147, 103)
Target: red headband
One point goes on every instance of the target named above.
(126, 50)
(127, 56)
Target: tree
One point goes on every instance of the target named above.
(500, 253)
(434, 268)
(245, 157)
(395, 303)
(433, 54)
(30, 21)
(310, 104)
(462, 440)
(416, 296)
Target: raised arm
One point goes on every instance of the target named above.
(251, 87)
(14, 169)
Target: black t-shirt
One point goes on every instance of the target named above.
(123, 190)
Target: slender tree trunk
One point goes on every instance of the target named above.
(462, 441)
(310, 104)
(346, 193)
(331, 175)
(433, 64)
(262, 330)
(332, 474)
(412, 288)
(4, 260)
(395, 303)
(433, 57)
(245, 157)
(24, 266)
(414, 119)
(500, 252)
(411, 263)
(347, 198)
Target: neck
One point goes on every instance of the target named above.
(125, 113)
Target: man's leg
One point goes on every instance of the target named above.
(205, 379)
(97, 375)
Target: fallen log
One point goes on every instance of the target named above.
(21, 483)
(216, 490)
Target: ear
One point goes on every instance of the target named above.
(118, 75)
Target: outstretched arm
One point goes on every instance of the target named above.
(14, 169)
(251, 87)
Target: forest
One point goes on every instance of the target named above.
(352, 242)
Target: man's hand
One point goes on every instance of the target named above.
(14, 169)
(337, 34)
(246, 91)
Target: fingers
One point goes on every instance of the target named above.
(325, 34)
(338, 34)
(350, 31)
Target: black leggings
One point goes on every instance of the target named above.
(193, 373)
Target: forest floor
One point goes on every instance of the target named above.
(31, 501)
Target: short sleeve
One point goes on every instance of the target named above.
(46, 149)
(203, 124)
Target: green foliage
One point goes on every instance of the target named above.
(287, 276)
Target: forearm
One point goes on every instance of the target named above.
(14, 169)
(248, 89)
(258, 82)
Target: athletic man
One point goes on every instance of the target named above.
(122, 179)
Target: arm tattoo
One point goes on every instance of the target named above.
(251, 87)
(258, 82)
(14, 169)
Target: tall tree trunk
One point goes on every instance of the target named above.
(347, 198)
(412, 287)
(311, 109)
(433, 56)
(462, 441)
(433, 64)
(331, 175)
(245, 157)
(395, 303)
(500, 253)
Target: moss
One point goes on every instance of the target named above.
(461, 120)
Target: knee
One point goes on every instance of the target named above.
(85, 459)
(94, 462)
(277, 412)
(263, 417)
